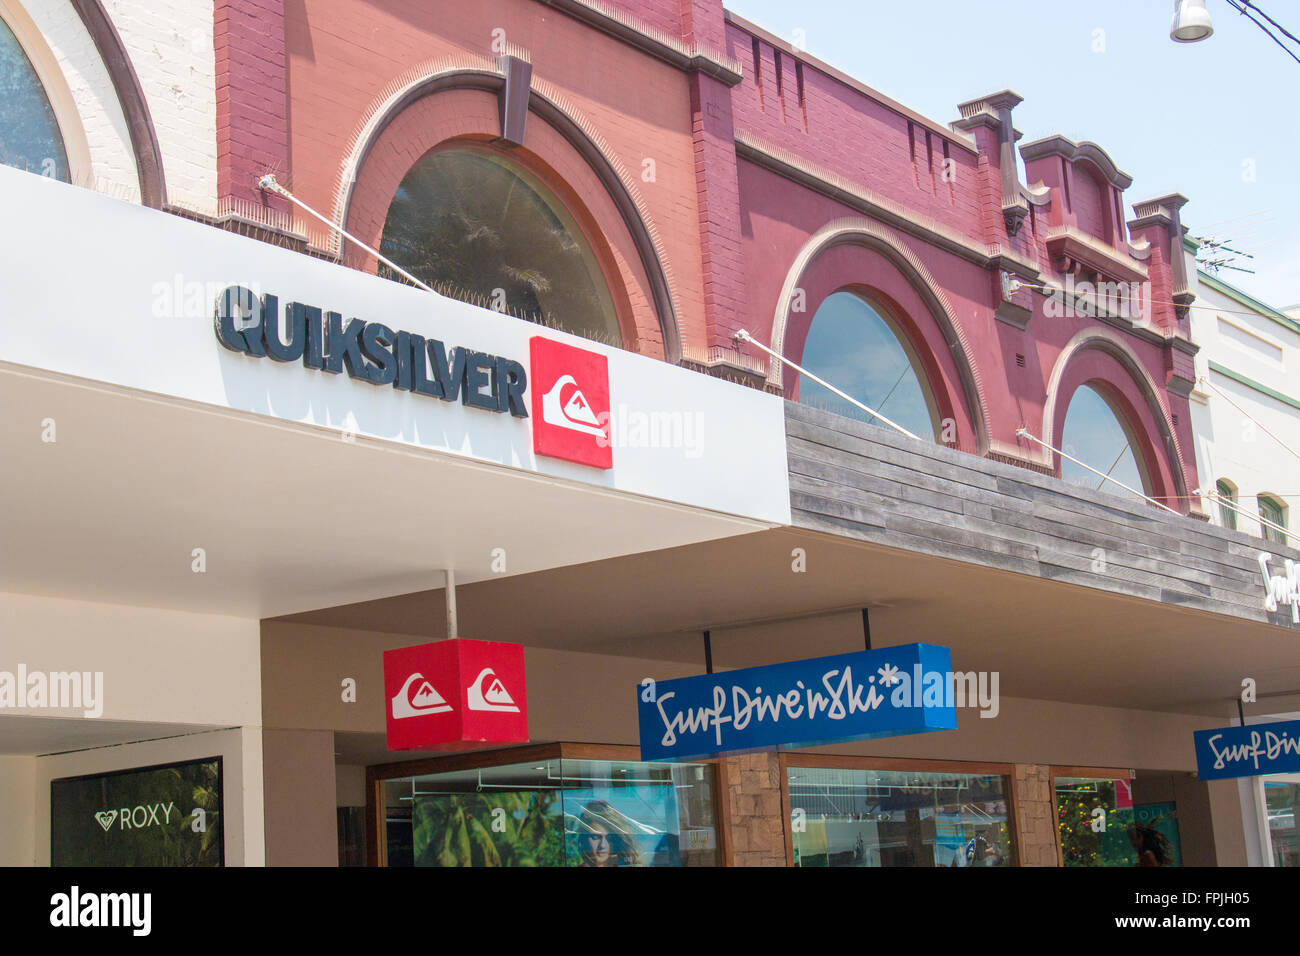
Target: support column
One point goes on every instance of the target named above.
(756, 825)
(301, 798)
(1035, 819)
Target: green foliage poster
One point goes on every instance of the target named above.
(152, 816)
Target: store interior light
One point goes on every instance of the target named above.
(1191, 21)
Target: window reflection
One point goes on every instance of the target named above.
(554, 812)
(29, 134)
(1094, 434)
(1101, 826)
(872, 818)
(1281, 798)
(478, 228)
(1272, 510)
(852, 346)
(1227, 516)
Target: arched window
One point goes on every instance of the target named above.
(1228, 492)
(1272, 510)
(29, 133)
(479, 228)
(855, 348)
(1094, 433)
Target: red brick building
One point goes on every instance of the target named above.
(657, 177)
(727, 180)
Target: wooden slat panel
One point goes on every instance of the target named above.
(870, 483)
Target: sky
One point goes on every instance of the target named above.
(1214, 120)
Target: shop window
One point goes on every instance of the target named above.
(29, 134)
(1227, 516)
(849, 817)
(1282, 798)
(1094, 433)
(352, 836)
(854, 347)
(1270, 509)
(553, 811)
(479, 228)
(1101, 826)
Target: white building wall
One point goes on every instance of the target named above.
(17, 810)
(104, 124)
(1258, 347)
(159, 666)
(170, 43)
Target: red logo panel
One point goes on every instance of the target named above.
(456, 694)
(570, 403)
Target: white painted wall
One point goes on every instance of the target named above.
(100, 114)
(159, 666)
(170, 43)
(17, 811)
(1228, 445)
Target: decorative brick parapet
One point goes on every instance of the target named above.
(756, 825)
(1035, 819)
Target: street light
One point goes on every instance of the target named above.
(1191, 21)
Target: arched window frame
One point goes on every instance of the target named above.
(1227, 490)
(560, 192)
(67, 117)
(1273, 509)
(903, 335)
(1118, 407)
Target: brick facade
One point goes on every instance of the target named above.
(732, 151)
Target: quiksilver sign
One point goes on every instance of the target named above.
(370, 352)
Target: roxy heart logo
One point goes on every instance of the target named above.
(570, 403)
(105, 818)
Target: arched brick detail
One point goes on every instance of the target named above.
(144, 139)
(859, 256)
(1100, 358)
(458, 103)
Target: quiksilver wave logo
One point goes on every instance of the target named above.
(130, 910)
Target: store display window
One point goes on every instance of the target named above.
(1100, 825)
(887, 816)
(542, 807)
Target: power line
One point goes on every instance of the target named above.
(1270, 19)
(1245, 13)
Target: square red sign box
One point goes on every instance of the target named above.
(570, 403)
(455, 694)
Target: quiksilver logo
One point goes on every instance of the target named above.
(371, 352)
(131, 910)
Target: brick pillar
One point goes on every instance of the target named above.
(756, 825)
(1035, 821)
(718, 192)
(252, 103)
